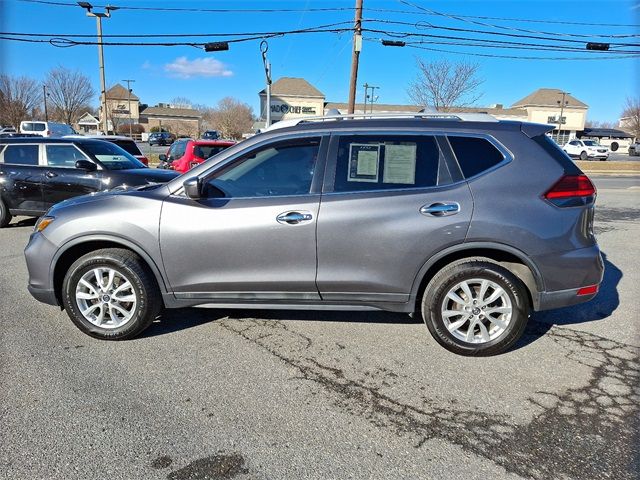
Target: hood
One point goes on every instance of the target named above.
(151, 175)
(99, 196)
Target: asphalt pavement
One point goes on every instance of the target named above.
(207, 394)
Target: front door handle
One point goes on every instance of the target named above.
(440, 209)
(51, 174)
(294, 218)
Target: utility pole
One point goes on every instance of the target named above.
(129, 99)
(366, 94)
(357, 47)
(46, 113)
(564, 94)
(103, 89)
(264, 47)
(373, 97)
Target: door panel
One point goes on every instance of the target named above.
(388, 240)
(394, 201)
(61, 179)
(21, 178)
(253, 234)
(237, 248)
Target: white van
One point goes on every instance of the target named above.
(46, 129)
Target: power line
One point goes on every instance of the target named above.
(327, 26)
(424, 25)
(489, 42)
(514, 57)
(467, 19)
(203, 10)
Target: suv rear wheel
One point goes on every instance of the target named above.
(110, 294)
(475, 307)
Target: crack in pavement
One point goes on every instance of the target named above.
(585, 432)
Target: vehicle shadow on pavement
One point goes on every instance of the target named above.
(602, 306)
(25, 222)
(184, 318)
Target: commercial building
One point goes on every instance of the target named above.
(296, 97)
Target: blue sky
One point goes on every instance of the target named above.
(163, 73)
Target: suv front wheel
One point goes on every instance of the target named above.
(475, 307)
(110, 294)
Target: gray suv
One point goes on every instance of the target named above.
(469, 221)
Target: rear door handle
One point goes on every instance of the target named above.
(51, 174)
(440, 209)
(294, 218)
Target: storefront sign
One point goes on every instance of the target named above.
(284, 108)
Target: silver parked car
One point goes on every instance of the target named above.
(470, 221)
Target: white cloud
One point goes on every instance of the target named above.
(181, 67)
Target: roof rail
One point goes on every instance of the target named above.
(462, 117)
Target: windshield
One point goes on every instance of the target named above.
(591, 143)
(112, 156)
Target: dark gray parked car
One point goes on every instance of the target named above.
(470, 221)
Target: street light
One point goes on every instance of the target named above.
(129, 82)
(264, 47)
(103, 94)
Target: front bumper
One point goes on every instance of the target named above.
(39, 254)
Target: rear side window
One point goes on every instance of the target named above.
(475, 155)
(206, 151)
(34, 126)
(386, 162)
(128, 146)
(21, 154)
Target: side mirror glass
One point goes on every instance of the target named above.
(193, 188)
(162, 157)
(86, 165)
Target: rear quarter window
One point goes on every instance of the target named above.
(21, 154)
(475, 155)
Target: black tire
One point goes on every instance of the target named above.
(615, 146)
(5, 215)
(475, 268)
(583, 156)
(144, 285)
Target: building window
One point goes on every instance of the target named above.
(560, 137)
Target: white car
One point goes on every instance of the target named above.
(46, 129)
(634, 148)
(586, 149)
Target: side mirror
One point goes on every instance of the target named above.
(193, 188)
(86, 165)
(162, 157)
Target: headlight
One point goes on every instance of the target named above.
(42, 223)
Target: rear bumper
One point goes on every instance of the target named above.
(43, 295)
(561, 298)
(564, 274)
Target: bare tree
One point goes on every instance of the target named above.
(443, 84)
(599, 124)
(230, 117)
(181, 102)
(630, 120)
(69, 92)
(20, 97)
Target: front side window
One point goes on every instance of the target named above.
(64, 156)
(475, 155)
(382, 162)
(278, 169)
(21, 154)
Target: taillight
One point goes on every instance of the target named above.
(48, 133)
(144, 160)
(571, 191)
